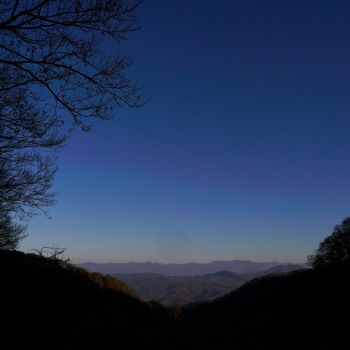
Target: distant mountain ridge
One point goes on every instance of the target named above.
(186, 269)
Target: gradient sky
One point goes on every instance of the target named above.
(242, 151)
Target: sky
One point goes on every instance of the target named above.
(242, 151)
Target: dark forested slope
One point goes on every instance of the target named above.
(47, 304)
(50, 304)
(306, 309)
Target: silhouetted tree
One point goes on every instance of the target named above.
(335, 248)
(10, 233)
(54, 47)
(52, 66)
(26, 173)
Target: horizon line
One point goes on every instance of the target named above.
(189, 263)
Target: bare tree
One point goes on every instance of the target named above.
(54, 75)
(54, 253)
(54, 47)
(26, 173)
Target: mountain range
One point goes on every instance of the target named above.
(187, 269)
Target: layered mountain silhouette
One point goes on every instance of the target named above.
(180, 290)
(187, 269)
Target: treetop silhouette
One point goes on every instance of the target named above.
(335, 248)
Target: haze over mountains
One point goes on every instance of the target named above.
(187, 269)
(181, 284)
(181, 290)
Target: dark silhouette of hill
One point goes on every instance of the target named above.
(187, 269)
(181, 290)
(283, 268)
(305, 309)
(48, 304)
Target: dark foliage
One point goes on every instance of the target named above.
(52, 304)
(10, 232)
(335, 248)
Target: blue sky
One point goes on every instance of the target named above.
(241, 152)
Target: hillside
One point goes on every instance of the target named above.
(278, 269)
(52, 304)
(181, 290)
(55, 305)
(305, 309)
